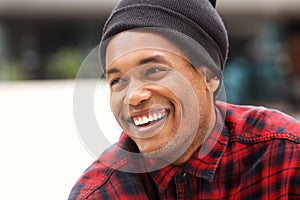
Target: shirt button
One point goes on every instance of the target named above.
(183, 174)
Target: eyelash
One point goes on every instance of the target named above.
(114, 81)
(156, 69)
(149, 71)
(152, 71)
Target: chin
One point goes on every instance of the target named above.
(150, 150)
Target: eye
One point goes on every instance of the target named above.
(116, 81)
(154, 70)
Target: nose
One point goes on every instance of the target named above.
(137, 93)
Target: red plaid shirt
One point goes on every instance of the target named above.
(255, 154)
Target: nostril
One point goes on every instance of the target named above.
(138, 96)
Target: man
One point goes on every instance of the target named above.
(163, 61)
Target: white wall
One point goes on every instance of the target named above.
(41, 152)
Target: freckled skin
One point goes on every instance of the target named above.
(175, 86)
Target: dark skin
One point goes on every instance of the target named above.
(149, 77)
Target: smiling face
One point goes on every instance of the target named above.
(162, 102)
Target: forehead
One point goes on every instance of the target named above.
(133, 40)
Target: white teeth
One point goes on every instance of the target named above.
(140, 120)
(151, 118)
(136, 122)
(144, 120)
(155, 116)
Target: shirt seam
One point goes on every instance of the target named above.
(274, 136)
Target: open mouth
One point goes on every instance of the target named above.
(145, 120)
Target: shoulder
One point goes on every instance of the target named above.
(94, 177)
(109, 176)
(255, 124)
(93, 180)
(266, 143)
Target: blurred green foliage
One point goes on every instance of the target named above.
(12, 71)
(64, 64)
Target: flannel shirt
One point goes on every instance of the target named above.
(254, 154)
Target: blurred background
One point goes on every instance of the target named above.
(42, 45)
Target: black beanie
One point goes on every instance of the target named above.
(197, 19)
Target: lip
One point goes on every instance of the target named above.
(138, 113)
(152, 128)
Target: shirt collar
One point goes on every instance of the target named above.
(204, 162)
(125, 156)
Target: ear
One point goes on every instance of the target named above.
(213, 84)
(212, 81)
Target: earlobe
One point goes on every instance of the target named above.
(211, 80)
(213, 84)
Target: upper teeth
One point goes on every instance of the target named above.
(145, 119)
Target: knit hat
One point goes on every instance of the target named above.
(197, 19)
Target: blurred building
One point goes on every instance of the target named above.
(42, 39)
(263, 65)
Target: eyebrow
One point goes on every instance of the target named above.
(151, 59)
(111, 71)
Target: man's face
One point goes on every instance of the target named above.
(157, 97)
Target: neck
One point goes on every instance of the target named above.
(200, 138)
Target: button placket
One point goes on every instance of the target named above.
(183, 175)
(181, 184)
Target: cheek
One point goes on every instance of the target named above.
(116, 100)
